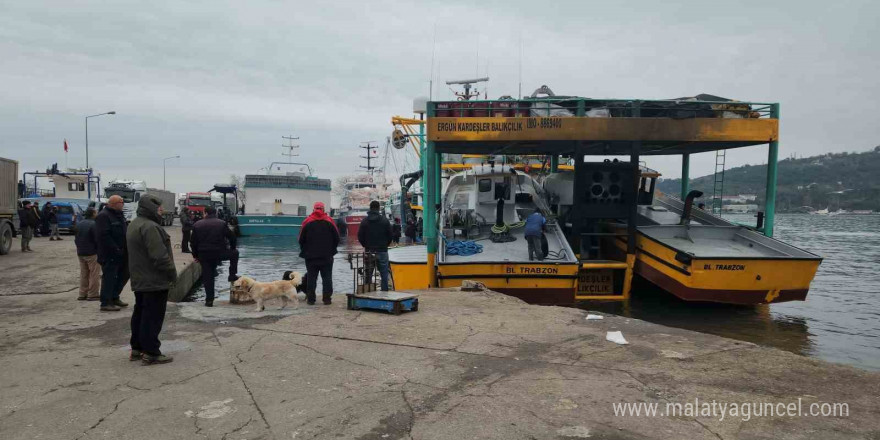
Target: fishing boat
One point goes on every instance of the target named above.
(616, 226)
(279, 201)
(482, 218)
(357, 193)
(698, 256)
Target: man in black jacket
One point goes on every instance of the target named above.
(44, 219)
(112, 253)
(374, 235)
(395, 231)
(87, 251)
(186, 226)
(318, 240)
(28, 221)
(212, 242)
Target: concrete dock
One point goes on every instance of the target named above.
(466, 365)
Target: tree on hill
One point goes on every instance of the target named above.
(834, 180)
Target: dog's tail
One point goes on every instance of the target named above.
(292, 276)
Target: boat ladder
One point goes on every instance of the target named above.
(718, 188)
(598, 277)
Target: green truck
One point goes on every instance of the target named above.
(8, 203)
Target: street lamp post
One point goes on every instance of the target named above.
(163, 168)
(87, 134)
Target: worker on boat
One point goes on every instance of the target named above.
(375, 235)
(534, 230)
(410, 231)
(212, 243)
(395, 232)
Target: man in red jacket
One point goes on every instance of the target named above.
(318, 240)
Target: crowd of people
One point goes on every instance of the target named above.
(34, 221)
(112, 253)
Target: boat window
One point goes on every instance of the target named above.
(461, 200)
(485, 185)
(523, 198)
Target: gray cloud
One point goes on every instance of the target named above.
(220, 83)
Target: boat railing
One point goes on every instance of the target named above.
(683, 108)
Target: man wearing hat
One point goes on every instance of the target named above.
(318, 240)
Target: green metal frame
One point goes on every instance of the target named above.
(772, 165)
(432, 177)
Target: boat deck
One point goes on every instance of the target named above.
(411, 254)
(514, 251)
(709, 236)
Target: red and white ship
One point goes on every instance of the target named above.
(357, 193)
(359, 190)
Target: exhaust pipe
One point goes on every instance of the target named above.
(689, 206)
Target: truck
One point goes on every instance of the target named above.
(197, 202)
(131, 192)
(8, 203)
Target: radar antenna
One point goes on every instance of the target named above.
(467, 84)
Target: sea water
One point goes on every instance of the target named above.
(839, 321)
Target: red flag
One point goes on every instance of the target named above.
(65, 145)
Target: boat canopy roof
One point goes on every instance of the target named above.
(600, 126)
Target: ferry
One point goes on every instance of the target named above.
(279, 201)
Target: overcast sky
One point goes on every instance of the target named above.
(219, 82)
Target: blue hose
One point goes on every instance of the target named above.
(463, 248)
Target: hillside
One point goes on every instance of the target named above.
(845, 180)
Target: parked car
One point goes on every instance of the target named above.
(68, 212)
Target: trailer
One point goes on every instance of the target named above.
(169, 201)
(8, 203)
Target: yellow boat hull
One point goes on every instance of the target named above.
(535, 283)
(732, 281)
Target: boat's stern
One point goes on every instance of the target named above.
(730, 265)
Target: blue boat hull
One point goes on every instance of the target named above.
(273, 225)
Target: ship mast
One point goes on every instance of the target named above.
(369, 151)
(290, 147)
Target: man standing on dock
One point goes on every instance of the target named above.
(152, 275)
(28, 220)
(213, 242)
(87, 251)
(186, 226)
(318, 240)
(112, 253)
(374, 235)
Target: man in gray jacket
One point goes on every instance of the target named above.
(151, 265)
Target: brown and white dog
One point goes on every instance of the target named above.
(259, 291)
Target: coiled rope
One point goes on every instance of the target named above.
(507, 227)
(463, 248)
